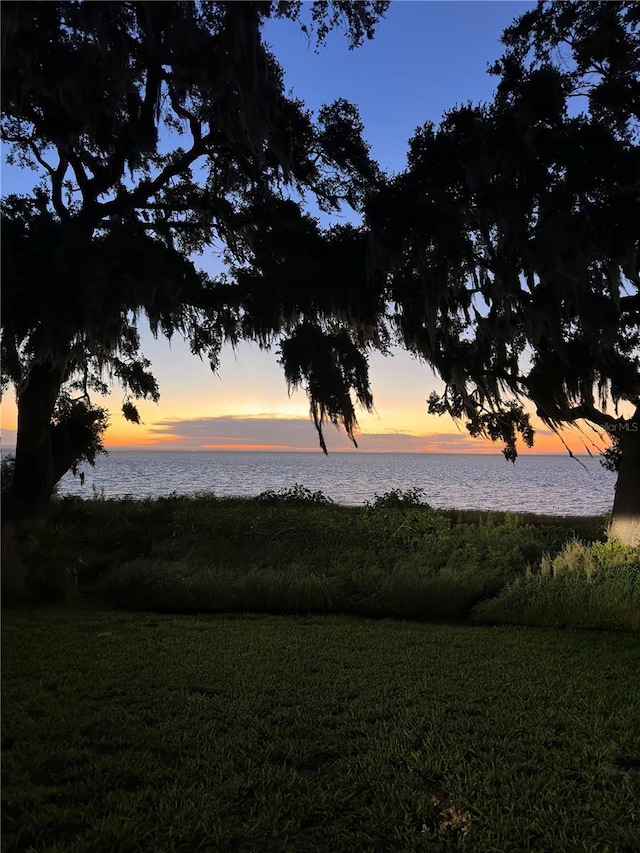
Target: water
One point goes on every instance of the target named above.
(555, 485)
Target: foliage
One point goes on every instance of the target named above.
(296, 494)
(7, 467)
(76, 434)
(595, 586)
(476, 302)
(509, 243)
(596, 47)
(176, 136)
(397, 499)
(505, 253)
(108, 532)
(293, 556)
(53, 567)
(590, 559)
(612, 456)
(50, 561)
(299, 734)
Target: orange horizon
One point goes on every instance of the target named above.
(544, 445)
(157, 435)
(117, 437)
(121, 448)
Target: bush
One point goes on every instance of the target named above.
(181, 587)
(584, 586)
(397, 499)
(7, 467)
(297, 494)
(111, 532)
(44, 557)
(295, 551)
(299, 556)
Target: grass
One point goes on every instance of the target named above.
(293, 553)
(134, 732)
(584, 586)
(197, 728)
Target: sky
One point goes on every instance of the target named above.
(425, 58)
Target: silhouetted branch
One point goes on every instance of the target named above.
(57, 179)
(36, 153)
(124, 203)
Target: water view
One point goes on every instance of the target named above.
(540, 484)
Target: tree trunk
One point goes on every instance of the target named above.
(28, 496)
(625, 518)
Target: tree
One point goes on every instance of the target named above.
(511, 241)
(159, 129)
(92, 94)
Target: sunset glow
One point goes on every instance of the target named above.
(405, 430)
(246, 405)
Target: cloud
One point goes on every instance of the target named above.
(8, 440)
(234, 432)
(275, 432)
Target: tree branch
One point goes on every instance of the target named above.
(40, 158)
(194, 125)
(588, 412)
(164, 224)
(81, 176)
(168, 206)
(630, 303)
(57, 179)
(124, 203)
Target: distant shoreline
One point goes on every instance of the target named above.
(8, 451)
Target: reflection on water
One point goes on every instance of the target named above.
(542, 484)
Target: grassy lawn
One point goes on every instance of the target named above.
(145, 732)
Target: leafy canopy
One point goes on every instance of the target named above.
(158, 130)
(511, 241)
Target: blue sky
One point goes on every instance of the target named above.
(426, 58)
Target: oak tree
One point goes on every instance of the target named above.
(158, 130)
(512, 247)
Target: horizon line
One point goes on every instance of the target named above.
(141, 449)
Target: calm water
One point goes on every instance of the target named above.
(543, 484)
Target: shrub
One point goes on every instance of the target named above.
(297, 494)
(7, 467)
(295, 551)
(584, 586)
(179, 586)
(48, 556)
(397, 499)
